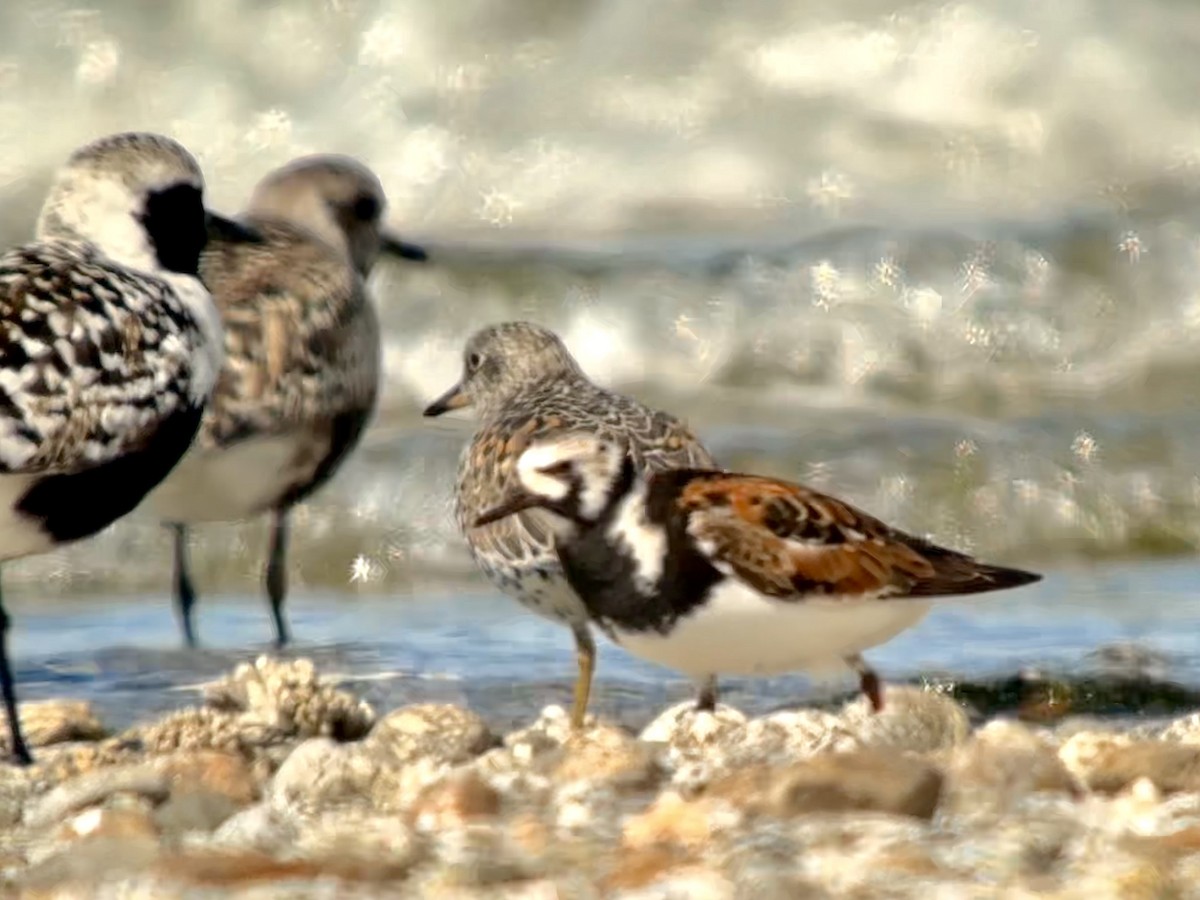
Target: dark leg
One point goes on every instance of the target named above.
(868, 681)
(585, 653)
(706, 696)
(277, 575)
(185, 595)
(20, 751)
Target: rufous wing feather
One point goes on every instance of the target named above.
(789, 541)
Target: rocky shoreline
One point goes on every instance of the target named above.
(281, 785)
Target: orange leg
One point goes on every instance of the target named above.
(585, 654)
(868, 681)
(706, 694)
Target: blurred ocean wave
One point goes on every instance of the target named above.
(941, 259)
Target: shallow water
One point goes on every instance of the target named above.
(123, 653)
(940, 259)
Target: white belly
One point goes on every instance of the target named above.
(231, 483)
(739, 632)
(19, 535)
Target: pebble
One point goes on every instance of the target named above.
(282, 784)
(911, 719)
(87, 863)
(287, 696)
(1171, 767)
(198, 728)
(262, 827)
(663, 873)
(382, 843)
(689, 733)
(197, 810)
(867, 780)
(785, 736)
(49, 722)
(452, 802)
(94, 787)
(321, 774)
(115, 823)
(227, 774)
(444, 732)
(673, 819)
(1001, 764)
(698, 745)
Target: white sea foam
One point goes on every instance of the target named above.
(960, 224)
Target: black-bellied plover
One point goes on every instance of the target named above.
(302, 354)
(525, 385)
(111, 347)
(713, 573)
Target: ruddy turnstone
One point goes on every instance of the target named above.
(110, 348)
(713, 573)
(526, 386)
(301, 360)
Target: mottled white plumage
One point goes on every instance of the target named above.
(109, 347)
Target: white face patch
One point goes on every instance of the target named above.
(543, 485)
(105, 212)
(594, 462)
(533, 479)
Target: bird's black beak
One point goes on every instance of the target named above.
(389, 243)
(455, 398)
(220, 228)
(518, 500)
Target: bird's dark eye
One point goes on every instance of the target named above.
(366, 208)
(474, 361)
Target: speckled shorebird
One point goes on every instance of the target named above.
(302, 360)
(525, 386)
(110, 349)
(713, 573)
